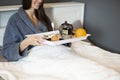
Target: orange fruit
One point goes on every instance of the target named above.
(80, 32)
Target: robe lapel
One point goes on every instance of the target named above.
(27, 21)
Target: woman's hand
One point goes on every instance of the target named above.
(34, 40)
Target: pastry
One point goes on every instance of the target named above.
(55, 37)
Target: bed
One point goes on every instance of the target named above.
(82, 61)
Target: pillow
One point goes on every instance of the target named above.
(2, 30)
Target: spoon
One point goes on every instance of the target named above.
(53, 26)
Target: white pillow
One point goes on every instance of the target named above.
(2, 30)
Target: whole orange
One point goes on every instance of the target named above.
(80, 32)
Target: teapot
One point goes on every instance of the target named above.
(66, 30)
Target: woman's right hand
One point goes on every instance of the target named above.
(34, 40)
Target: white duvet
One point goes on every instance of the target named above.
(56, 63)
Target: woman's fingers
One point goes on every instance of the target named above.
(36, 40)
(31, 40)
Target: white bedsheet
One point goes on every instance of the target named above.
(56, 63)
(106, 58)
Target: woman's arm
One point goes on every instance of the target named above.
(11, 42)
(14, 44)
(34, 40)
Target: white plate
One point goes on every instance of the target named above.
(46, 33)
(60, 41)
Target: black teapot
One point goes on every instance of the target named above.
(66, 30)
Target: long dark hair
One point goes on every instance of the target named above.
(39, 13)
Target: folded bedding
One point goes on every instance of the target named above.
(57, 63)
(6, 75)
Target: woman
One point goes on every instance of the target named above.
(29, 19)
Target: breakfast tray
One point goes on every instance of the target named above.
(47, 42)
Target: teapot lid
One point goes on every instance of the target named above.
(66, 24)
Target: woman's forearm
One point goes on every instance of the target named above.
(23, 45)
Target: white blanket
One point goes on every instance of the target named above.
(56, 63)
(106, 58)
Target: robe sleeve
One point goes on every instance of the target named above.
(11, 42)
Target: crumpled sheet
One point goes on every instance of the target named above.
(99, 55)
(56, 63)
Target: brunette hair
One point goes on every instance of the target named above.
(39, 13)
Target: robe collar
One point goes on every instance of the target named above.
(28, 22)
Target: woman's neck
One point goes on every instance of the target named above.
(32, 16)
(30, 12)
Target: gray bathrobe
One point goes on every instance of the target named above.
(18, 26)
